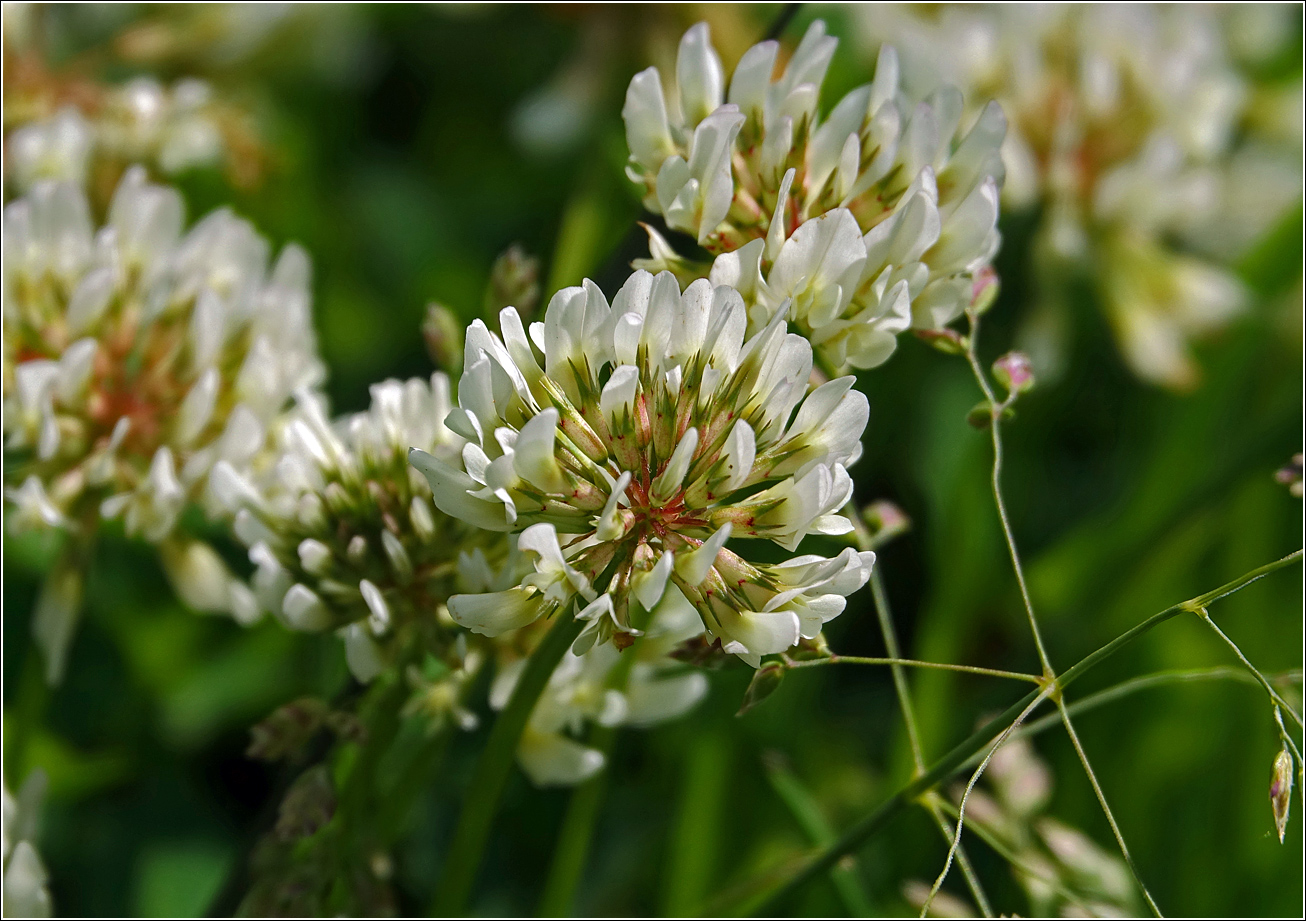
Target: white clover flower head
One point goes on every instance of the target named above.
(138, 357)
(57, 148)
(342, 530)
(855, 227)
(626, 443)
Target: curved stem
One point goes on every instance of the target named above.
(492, 769)
(946, 766)
(1275, 697)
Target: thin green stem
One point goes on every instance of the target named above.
(1275, 696)
(837, 659)
(995, 430)
(1133, 685)
(1010, 856)
(963, 861)
(947, 765)
(574, 838)
(493, 767)
(1106, 809)
(890, 636)
(970, 785)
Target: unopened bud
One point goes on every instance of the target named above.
(309, 804)
(984, 290)
(287, 730)
(443, 332)
(1014, 372)
(1291, 475)
(766, 680)
(514, 282)
(886, 521)
(948, 341)
(1281, 790)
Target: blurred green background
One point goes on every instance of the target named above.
(406, 147)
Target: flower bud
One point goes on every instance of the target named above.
(1014, 372)
(984, 290)
(443, 332)
(309, 804)
(514, 282)
(948, 341)
(766, 681)
(286, 730)
(1281, 791)
(1290, 475)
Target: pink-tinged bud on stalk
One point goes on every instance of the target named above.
(984, 290)
(1014, 372)
(1290, 475)
(1281, 791)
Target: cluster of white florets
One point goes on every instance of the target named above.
(855, 227)
(626, 443)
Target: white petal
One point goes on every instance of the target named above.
(493, 613)
(693, 566)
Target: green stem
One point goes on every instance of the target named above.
(1275, 697)
(492, 769)
(946, 766)
(1106, 809)
(1133, 685)
(837, 659)
(577, 831)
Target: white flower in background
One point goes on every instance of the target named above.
(1135, 132)
(626, 444)
(26, 889)
(907, 200)
(589, 689)
(136, 357)
(170, 128)
(342, 530)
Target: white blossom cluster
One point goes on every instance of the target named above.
(136, 358)
(170, 128)
(625, 444)
(855, 226)
(1133, 129)
(341, 530)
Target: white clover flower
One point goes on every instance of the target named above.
(907, 202)
(26, 883)
(1134, 130)
(172, 129)
(581, 690)
(626, 443)
(136, 358)
(342, 530)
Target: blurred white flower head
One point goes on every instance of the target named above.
(1137, 134)
(136, 358)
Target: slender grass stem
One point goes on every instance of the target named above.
(1106, 809)
(913, 663)
(577, 831)
(889, 633)
(995, 430)
(1275, 696)
(970, 785)
(492, 769)
(1133, 685)
(963, 861)
(1009, 855)
(947, 765)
